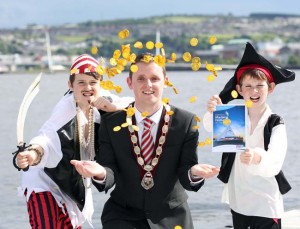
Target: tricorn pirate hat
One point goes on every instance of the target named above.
(252, 58)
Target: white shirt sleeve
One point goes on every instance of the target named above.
(272, 159)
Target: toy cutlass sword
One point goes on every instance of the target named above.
(28, 98)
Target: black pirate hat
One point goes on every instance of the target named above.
(250, 57)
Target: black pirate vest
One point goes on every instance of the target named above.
(65, 174)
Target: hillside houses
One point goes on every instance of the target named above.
(277, 37)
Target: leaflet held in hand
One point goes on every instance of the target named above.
(229, 128)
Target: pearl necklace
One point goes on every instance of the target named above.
(147, 181)
(87, 147)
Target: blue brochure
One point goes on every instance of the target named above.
(229, 128)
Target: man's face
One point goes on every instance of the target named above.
(85, 88)
(147, 85)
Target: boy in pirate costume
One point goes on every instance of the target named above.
(152, 165)
(57, 196)
(254, 182)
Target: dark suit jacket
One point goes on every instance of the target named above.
(129, 200)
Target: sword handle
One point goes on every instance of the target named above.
(21, 148)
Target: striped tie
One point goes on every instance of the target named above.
(147, 141)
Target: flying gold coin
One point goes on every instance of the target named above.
(94, 50)
(134, 68)
(194, 41)
(193, 99)
(212, 40)
(234, 94)
(150, 45)
(201, 144)
(159, 45)
(196, 66)
(226, 122)
(210, 78)
(187, 56)
(178, 227)
(249, 103)
(138, 45)
(117, 128)
(208, 141)
(197, 118)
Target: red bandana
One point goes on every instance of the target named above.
(266, 71)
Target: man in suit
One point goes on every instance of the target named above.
(149, 188)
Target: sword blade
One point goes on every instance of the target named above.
(29, 96)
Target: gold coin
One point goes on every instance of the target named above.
(117, 128)
(121, 34)
(226, 122)
(117, 54)
(149, 45)
(194, 41)
(196, 66)
(136, 128)
(113, 61)
(249, 103)
(193, 99)
(126, 32)
(138, 45)
(159, 45)
(125, 124)
(173, 56)
(134, 68)
(212, 40)
(210, 78)
(234, 94)
(208, 141)
(94, 50)
(196, 59)
(201, 144)
(165, 100)
(187, 56)
(209, 67)
(178, 227)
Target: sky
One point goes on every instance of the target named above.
(19, 14)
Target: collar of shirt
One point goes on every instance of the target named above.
(155, 118)
(263, 119)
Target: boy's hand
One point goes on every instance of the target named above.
(250, 157)
(213, 102)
